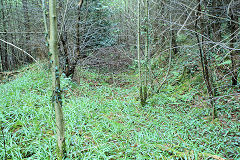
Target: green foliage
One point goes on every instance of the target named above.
(181, 38)
(104, 122)
(227, 62)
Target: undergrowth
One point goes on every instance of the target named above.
(106, 121)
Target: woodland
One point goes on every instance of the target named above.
(120, 79)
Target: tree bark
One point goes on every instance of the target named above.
(27, 27)
(70, 69)
(204, 60)
(56, 96)
(147, 55)
(174, 42)
(139, 55)
(234, 53)
(4, 54)
(216, 26)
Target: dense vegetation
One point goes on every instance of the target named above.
(133, 79)
(105, 120)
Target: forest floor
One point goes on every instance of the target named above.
(105, 120)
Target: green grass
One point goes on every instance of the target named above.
(107, 122)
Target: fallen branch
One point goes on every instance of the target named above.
(20, 50)
(21, 32)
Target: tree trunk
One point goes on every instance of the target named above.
(13, 54)
(147, 56)
(139, 56)
(64, 40)
(1, 56)
(70, 69)
(204, 60)
(4, 54)
(78, 30)
(234, 53)
(27, 28)
(174, 42)
(216, 26)
(56, 96)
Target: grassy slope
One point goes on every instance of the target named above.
(104, 122)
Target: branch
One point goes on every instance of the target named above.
(80, 3)
(21, 32)
(20, 50)
(184, 24)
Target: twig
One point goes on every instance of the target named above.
(21, 32)
(182, 140)
(184, 24)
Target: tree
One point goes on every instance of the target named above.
(70, 67)
(234, 27)
(56, 95)
(3, 46)
(141, 88)
(27, 25)
(203, 57)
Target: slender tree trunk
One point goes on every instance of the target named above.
(70, 69)
(45, 22)
(63, 36)
(204, 61)
(234, 53)
(27, 27)
(44, 12)
(64, 40)
(146, 63)
(126, 17)
(139, 55)
(12, 38)
(1, 56)
(19, 56)
(13, 61)
(78, 30)
(56, 97)
(4, 54)
(163, 27)
(174, 41)
(217, 36)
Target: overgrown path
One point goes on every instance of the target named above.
(106, 122)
